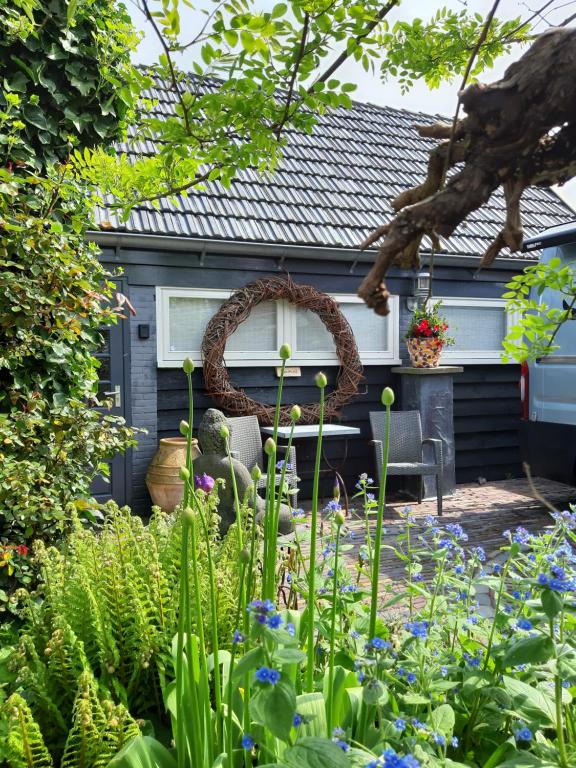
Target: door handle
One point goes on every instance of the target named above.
(116, 393)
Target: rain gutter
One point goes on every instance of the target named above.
(108, 239)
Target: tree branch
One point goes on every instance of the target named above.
(290, 95)
(518, 132)
(382, 13)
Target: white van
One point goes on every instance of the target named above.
(548, 385)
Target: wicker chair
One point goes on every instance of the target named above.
(405, 455)
(246, 446)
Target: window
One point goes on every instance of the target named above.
(478, 326)
(183, 314)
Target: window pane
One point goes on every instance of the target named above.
(311, 333)
(258, 332)
(370, 330)
(189, 317)
(475, 328)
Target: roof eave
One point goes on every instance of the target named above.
(113, 239)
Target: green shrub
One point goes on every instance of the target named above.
(106, 607)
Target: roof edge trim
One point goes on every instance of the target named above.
(239, 247)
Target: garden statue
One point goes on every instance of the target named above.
(215, 463)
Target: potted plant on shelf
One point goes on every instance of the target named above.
(427, 336)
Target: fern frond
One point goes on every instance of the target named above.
(89, 723)
(25, 745)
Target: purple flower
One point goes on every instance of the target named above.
(378, 644)
(342, 744)
(438, 739)
(524, 624)
(267, 675)
(297, 720)
(291, 629)
(417, 629)
(411, 678)
(479, 553)
(238, 637)
(523, 734)
(247, 741)
(456, 530)
(400, 725)
(454, 741)
(275, 621)
(204, 483)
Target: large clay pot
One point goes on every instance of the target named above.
(163, 476)
(424, 353)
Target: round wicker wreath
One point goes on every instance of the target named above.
(237, 308)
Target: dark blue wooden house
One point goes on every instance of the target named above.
(333, 187)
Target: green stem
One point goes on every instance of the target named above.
(329, 698)
(378, 534)
(312, 566)
(558, 705)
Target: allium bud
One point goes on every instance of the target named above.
(339, 518)
(285, 352)
(184, 474)
(224, 431)
(188, 366)
(336, 490)
(184, 427)
(256, 473)
(320, 380)
(269, 447)
(295, 413)
(387, 397)
(244, 556)
(188, 514)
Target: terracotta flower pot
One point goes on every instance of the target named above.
(163, 476)
(424, 353)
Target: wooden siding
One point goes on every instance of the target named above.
(486, 422)
(486, 399)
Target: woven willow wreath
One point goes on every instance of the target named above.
(237, 308)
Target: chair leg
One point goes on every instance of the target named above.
(439, 494)
(420, 486)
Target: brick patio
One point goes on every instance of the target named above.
(484, 511)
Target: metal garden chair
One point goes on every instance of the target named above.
(246, 446)
(405, 456)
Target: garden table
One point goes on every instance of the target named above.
(329, 431)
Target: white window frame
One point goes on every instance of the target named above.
(286, 333)
(483, 356)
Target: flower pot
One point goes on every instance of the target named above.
(424, 353)
(163, 477)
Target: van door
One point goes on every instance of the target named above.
(553, 378)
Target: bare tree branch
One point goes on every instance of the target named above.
(518, 132)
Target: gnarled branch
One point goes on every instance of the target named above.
(518, 132)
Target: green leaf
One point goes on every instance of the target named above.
(289, 656)
(248, 662)
(503, 751)
(529, 650)
(552, 603)
(274, 707)
(374, 692)
(143, 752)
(443, 719)
(529, 702)
(313, 752)
(279, 10)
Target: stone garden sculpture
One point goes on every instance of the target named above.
(214, 462)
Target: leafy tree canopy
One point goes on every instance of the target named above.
(253, 75)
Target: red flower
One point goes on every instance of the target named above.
(22, 549)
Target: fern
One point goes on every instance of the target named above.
(102, 624)
(24, 742)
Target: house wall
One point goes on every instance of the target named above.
(486, 396)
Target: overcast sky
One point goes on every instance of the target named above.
(370, 88)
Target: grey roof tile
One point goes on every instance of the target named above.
(333, 187)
